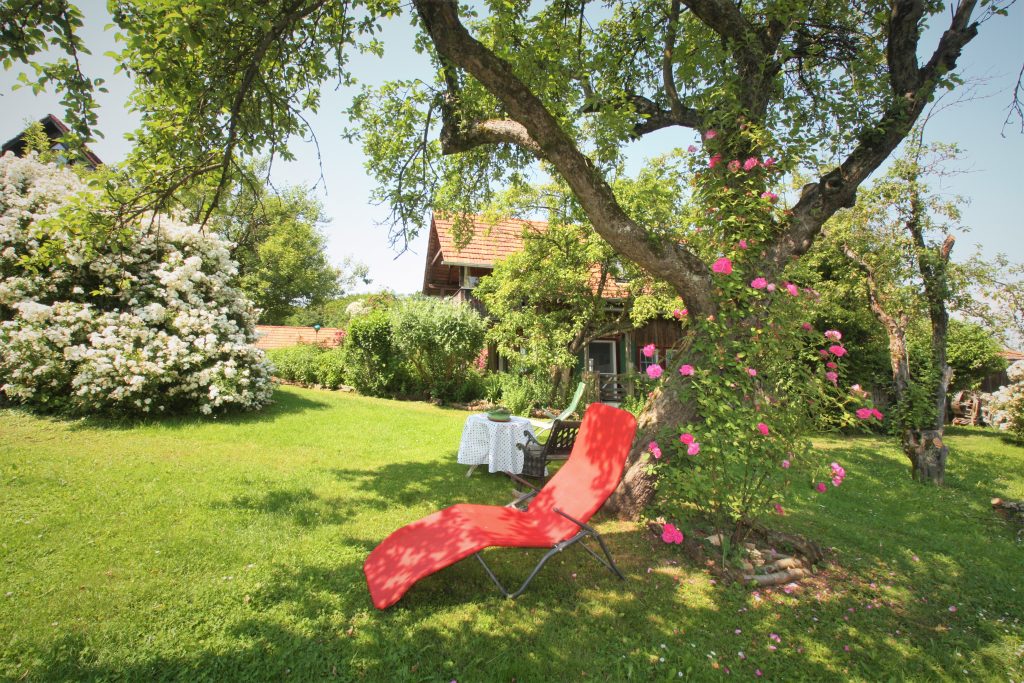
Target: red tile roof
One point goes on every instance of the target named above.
(282, 336)
(1011, 355)
(489, 242)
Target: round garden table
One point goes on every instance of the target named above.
(486, 442)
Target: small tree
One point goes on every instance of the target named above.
(887, 237)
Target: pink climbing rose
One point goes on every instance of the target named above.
(686, 438)
(693, 448)
(750, 164)
(792, 289)
(832, 377)
(806, 327)
(655, 449)
(821, 487)
(691, 149)
(864, 413)
(711, 134)
(770, 287)
(763, 428)
(685, 370)
(654, 371)
(837, 350)
(743, 244)
(714, 160)
(770, 196)
(833, 335)
(779, 510)
(752, 372)
(759, 283)
(785, 464)
(722, 266)
(734, 166)
(648, 350)
(875, 413)
(671, 534)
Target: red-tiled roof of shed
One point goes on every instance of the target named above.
(1011, 355)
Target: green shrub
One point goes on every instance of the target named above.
(297, 363)
(371, 361)
(519, 393)
(439, 340)
(330, 368)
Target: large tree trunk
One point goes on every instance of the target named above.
(637, 487)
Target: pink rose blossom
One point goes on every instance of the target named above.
(686, 438)
(722, 266)
(832, 377)
(769, 162)
(750, 164)
(677, 314)
(806, 327)
(655, 449)
(792, 289)
(836, 481)
(833, 335)
(648, 350)
(823, 353)
(785, 464)
(876, 414)
(752, 372)
(685, 370)
(821, 487)
(743, 244)
(671, 534)
(693, 448)
(714, 160)
(758, 283)
(779, 510)
(654, 371)
(770, 196)
(770, 287)
(734, 165)
(831, 365)
(837, 350)
(763, 428)
(711, 134)
(691, 149)
(863, 413)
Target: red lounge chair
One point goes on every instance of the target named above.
(556, 517)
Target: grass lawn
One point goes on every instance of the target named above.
(232, 549)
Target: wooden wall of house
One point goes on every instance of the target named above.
(660, 332)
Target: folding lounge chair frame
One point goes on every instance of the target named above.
(586, 531)
(555, 519)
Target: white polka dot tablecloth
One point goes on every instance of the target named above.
(485, 442)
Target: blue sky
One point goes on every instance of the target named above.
(993, 157)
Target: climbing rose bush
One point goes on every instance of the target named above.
(756, 370)
(145, 321)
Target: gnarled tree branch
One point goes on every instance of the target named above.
(682, 269)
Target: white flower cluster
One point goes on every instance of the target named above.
(155, 328)
(1006, 404)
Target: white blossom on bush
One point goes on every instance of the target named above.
(1006, 404)
(155, 328)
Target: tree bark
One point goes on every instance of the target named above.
(636, 490)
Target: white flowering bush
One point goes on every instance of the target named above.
(1006, 404)
(143, 322)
